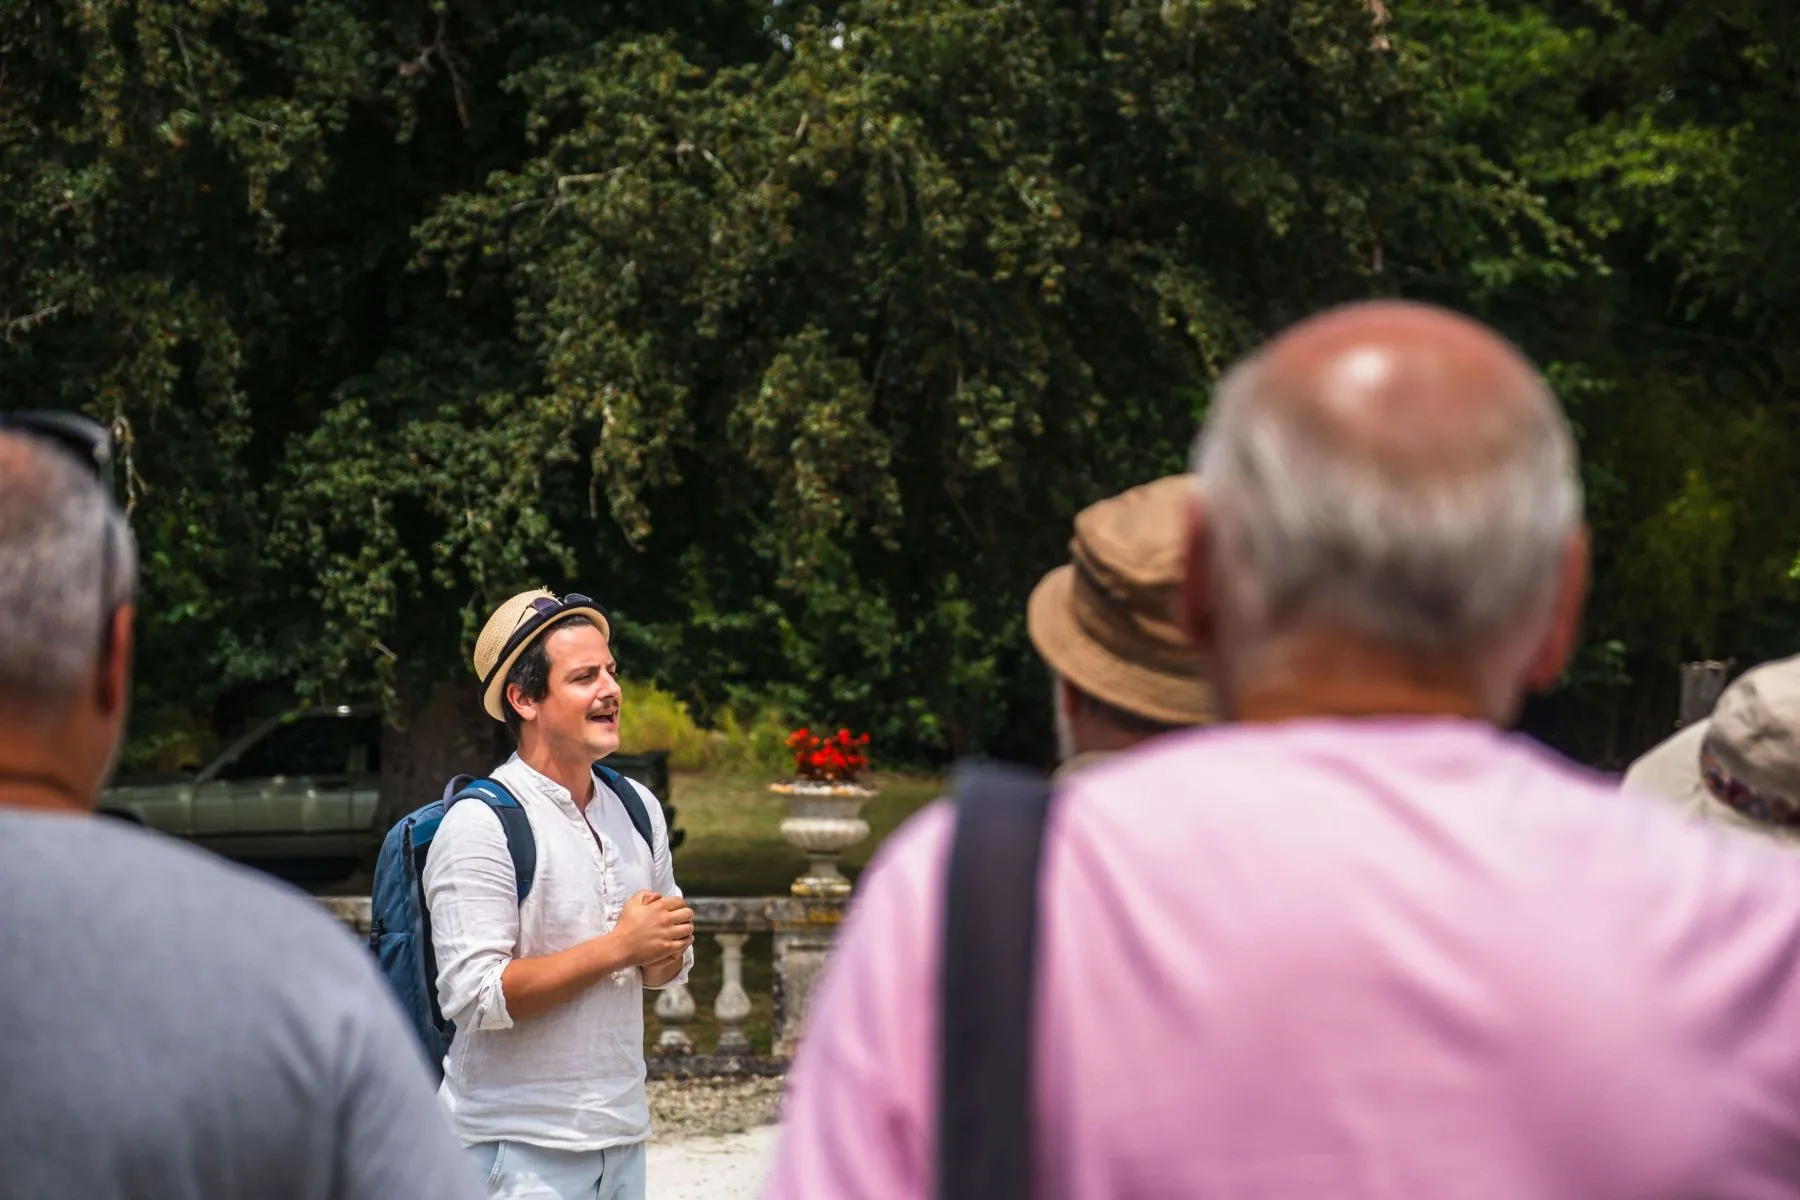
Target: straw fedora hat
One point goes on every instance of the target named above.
(512, 629)
(1106, 620)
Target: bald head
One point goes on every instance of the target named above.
(1393, 471)
(1416, 391)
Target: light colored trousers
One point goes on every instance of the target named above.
(521, 1171)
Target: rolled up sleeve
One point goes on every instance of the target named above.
(474, 904)
(662, 873)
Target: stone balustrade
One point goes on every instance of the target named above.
(824, 820)
(801, 929)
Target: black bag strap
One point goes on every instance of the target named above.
(634, 803)
(988, 981)
(521, 843)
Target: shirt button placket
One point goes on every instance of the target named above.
(609, 892)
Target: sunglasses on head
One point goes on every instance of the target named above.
(547, 606)
(89, 442)
(537, 614)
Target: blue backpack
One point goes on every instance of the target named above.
(400, 926)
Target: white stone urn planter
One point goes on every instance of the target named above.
(824, 820)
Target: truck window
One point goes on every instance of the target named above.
(365, 738)
(311, 747)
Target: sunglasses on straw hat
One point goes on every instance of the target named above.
(537, 614)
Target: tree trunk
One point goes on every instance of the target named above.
(449, 735)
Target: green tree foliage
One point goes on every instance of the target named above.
(1664, 136)
(798, 334)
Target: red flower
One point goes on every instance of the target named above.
(828, 760)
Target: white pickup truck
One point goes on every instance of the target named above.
(301, 785)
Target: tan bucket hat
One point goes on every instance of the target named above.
(516, 624)
(1740, 766)
(1106, 621)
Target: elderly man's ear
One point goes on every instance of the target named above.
(112, 681)
(1561, 635)
(1197, 614)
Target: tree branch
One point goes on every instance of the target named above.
(11, 326)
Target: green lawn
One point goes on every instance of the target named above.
(734, 848)
(733, 824)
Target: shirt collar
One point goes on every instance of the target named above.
(542, 784)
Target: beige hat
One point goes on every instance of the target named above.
(511, 630)
(1106, 621)
(1741, 765)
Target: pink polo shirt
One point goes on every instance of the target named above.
(1385, 958)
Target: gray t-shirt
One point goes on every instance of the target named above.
(173, 1027)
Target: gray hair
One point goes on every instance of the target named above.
(58, 588)
(1309, 531)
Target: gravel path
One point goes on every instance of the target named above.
(714, 1138)
(732, 1166)
(701, 1108)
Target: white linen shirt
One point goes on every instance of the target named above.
(571, 1078)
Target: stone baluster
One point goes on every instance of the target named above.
(675, 1010)
(733, 1005)
(804, 931)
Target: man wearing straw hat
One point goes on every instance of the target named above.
(545, 1078)
(1123, 671)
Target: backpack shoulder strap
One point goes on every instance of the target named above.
(989, 972)
(520, 843)
(634, 803)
